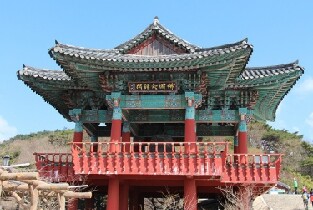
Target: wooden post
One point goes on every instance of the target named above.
(33, 191)
(126, 136)
(78, 133)
(242, 134)
(190, 194)
(61, 200)
(190, 124)
(113, 194)
(124, 194)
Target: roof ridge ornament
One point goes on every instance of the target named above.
(156, 21)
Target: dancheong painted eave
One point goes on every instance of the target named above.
(225, 67)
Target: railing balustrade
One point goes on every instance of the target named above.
(55, 167)
(150, 158)
(205, 159)
(252, 168)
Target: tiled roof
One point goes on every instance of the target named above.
(156, 27)
(44, 74)
(261, 72)
(115, 56)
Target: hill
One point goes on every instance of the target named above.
(297, 159)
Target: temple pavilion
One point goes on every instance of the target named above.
(160, 99)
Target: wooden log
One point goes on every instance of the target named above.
(72, 194)
(61, 200)
(7, 186)
(34, 197)
(19, 176)
(20, 201)
(53, 187)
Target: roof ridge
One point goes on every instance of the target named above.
(292, 64)
(155, 26)
(241, 42)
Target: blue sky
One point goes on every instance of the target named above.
(281, 32)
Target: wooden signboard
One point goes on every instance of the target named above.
(158, 86)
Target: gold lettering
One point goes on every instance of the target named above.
(139, 87)
(162, 86)
(146, 86)
(154, 86)
(171, 86)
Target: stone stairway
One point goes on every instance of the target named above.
(279, 202)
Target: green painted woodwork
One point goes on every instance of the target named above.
(243, 111)
(190, 113)
(125, 127)
(154, 101)
(164, 116)
(78, 126)
(117, 113)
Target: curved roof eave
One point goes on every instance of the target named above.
(114, 56)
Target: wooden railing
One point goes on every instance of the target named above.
(55, 167)
(150, 158)
(252, 168)
(202, 159)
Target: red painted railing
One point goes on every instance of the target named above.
(150, 158)
(206, 159)
(55, 167)
(252, 168)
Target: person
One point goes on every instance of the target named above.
(295, 184)
(311, 196)
(304, 189)
(305, 197)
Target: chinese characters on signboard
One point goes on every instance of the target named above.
(165, 86)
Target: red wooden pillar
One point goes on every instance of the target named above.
(113, 194)
(236, 144)
(124, 194)
(116, 129)
(126, 136)
(242, 134)
(190, 124)
(78, 132)
(190, 194)
(72, 204)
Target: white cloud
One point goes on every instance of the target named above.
(295, 129)
(306, 86)
(6, 130)
(309, 120)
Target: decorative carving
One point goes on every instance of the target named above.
(76, 99)
(104, 83)
(171, 101)
(254, 96)
(204, 83)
